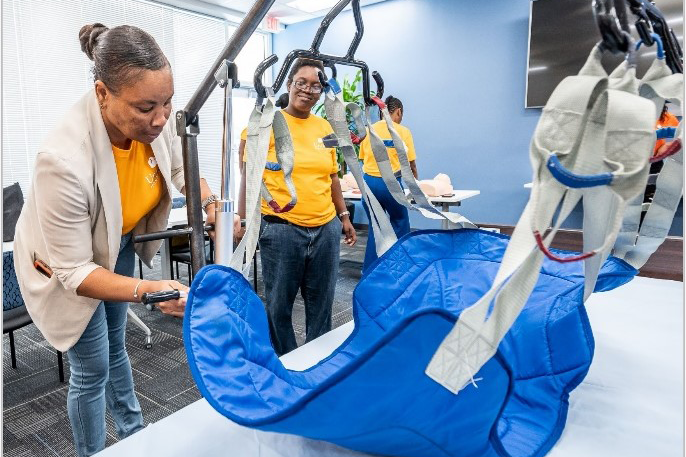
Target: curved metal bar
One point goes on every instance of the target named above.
(302, 53)
(379, 84)
(259, 71)
(613, 39)
(359, 29)
(233, 47)
(332, 66)
(326, 22)
(649, 16)
(329, 60)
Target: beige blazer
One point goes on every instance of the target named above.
(72, 218)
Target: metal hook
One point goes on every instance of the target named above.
(259, 71)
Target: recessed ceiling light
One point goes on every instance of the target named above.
(310, 6)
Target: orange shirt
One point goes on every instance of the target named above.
(381, 128)
(669, 120)
(140, 182)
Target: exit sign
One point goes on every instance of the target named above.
(272, 24)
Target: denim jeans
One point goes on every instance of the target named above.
(101, 372)
(400, 219)
(299, 258)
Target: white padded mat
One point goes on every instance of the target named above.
(629, 405)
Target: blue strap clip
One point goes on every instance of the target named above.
(334, 86)
(576, 181)
(272, 166)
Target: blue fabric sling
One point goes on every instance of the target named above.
(371, 394)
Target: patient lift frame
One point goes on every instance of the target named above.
(222, 73)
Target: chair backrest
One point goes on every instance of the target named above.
(12, 201)
(11, 295)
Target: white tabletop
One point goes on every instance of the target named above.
(179, 216)
(629, 405)
(457, 196)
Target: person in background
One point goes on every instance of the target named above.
(300, 248)
(398, 214)
(666, 119)
(103, 175)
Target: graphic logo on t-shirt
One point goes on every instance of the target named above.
(152, 162)
(152, 178)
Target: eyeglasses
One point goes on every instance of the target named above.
(313, 89)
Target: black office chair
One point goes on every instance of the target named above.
(14, 313)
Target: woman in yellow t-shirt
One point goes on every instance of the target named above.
(400, 219)
(103, 174)
(300, 249)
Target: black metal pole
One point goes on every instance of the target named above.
(191, 170)
(233, 47)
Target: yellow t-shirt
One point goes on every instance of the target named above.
(370, 167)
(140, 182)
(313, 166)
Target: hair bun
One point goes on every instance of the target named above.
(88, 36)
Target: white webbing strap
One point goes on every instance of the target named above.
(658, 85)
(422, 203)
(379, 222)
(627, 147)
(575, 127)
(256, 150)
(658, 220)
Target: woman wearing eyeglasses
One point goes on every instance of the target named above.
(300, 248)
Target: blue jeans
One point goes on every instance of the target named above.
(299, 258)
(101, 372)
(400, 219)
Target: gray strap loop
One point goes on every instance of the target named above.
(256, 149)
(335, 112)
(584, 124)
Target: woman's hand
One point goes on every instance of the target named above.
(349, 231)
(238, 231)
(210, 220)
(171, 307)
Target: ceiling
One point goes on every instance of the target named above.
(285, 14)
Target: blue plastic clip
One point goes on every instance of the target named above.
(660, 47)
(571, 179)
(272, 166)
(333, 85)
(388, 143)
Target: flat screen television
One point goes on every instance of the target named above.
(561, 36)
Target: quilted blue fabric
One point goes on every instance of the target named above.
(371, 394)
(11, 295)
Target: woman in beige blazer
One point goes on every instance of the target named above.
(74, 253)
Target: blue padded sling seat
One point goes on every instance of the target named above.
(371, 394)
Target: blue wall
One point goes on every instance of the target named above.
(460, 69)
